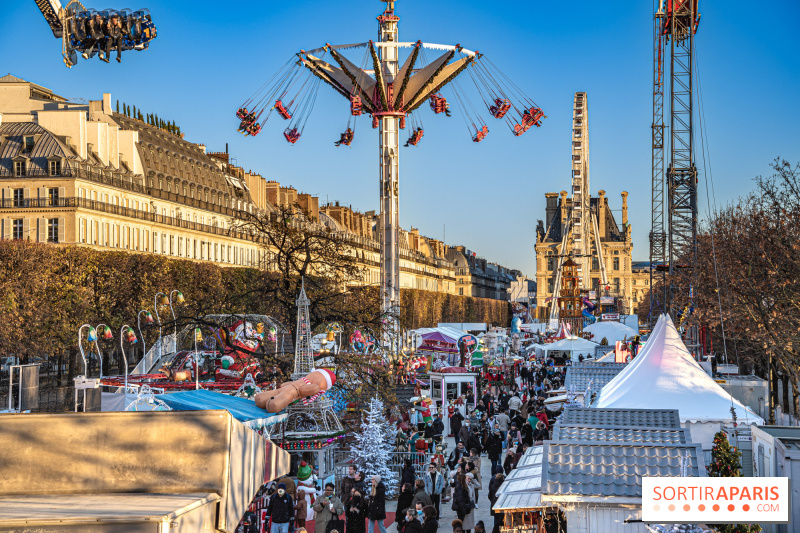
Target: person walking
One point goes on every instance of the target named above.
(462, 504)
(494, 448)
(504, 421)
(455, 423)
(281, 510)
(494, 485)
(475, 470)
(326, 509)
(355, 513)
(407, 475)
(472, 485)
(347, 485)
(411, 524)
(376, 511)
(434, 485)
(300, 510)
(421, 495)
(457, 454)
(403, 503)
(514, 405)
(430, 524)
(464, 434)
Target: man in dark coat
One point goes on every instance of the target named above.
(456, 455)
(455, 424)
(438, 425)
(474, 441)
(347, 485)
(494, 448)
(281, 509)
(376, 509)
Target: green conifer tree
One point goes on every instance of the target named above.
(725, 463)
(134, 112)
(140, 116)
(117, 106)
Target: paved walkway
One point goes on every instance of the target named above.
(483, 512)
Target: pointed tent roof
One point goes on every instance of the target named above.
(665, 376)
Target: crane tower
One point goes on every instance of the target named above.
(675, 25)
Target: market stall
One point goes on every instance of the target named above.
(448, 386)
(665, 376)
(569, 348)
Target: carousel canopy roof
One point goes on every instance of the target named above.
(241, 409)
(443, 334)
(664, 375)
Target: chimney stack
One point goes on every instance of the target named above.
(624, 208)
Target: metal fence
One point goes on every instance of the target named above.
(342, 461)
(54, 396)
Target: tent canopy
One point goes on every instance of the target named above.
(571, 345)
(665, 376)
(241, 409)
(443, 334)
(613, 331)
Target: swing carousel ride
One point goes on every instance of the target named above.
(385, 92)
(392, 90)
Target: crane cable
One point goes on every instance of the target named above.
(710, 177)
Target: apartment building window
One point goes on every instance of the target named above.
(19, 169)
(29, 142)
(17, 229)
(52, 230)
(55, 168)
(19, 197)
(52, 195)
(550, 263)
(461, 291)
(616, 285)
(616, 263)
(595, 263)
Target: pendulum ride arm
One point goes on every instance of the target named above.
(52, 11)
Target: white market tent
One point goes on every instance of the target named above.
(665, 376)
(612, 331)
(574, 346)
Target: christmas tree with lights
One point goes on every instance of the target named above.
(725, 463)
(371, 453)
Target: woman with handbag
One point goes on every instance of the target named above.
(461, 502)
(472, 485)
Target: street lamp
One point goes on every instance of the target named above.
(164, 300)
(105, 332)
(91, 337)
(126, 334)
(148, 318)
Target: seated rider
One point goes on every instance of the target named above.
(95, 36)
(114, 32)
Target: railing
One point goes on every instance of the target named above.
(95, 205)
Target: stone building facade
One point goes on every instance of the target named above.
(615, 242)
(85, 174)
(475, 276)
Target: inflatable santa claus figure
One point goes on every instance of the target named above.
(306, 481)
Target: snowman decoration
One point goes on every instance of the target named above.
(306, 481)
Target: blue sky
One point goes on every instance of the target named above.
(209, 58)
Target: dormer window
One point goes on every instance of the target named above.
(54, 167)
(28, 145)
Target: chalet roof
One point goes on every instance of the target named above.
(601, 469)
(564, 432)
(589, 416)
(579, 376)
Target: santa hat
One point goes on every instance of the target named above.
(304, 472)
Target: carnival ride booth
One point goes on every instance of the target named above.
(665, 376)
(437, 343)
(449, 388)
(131, 471)
(569, 349)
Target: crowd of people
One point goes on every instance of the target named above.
(507, 419)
